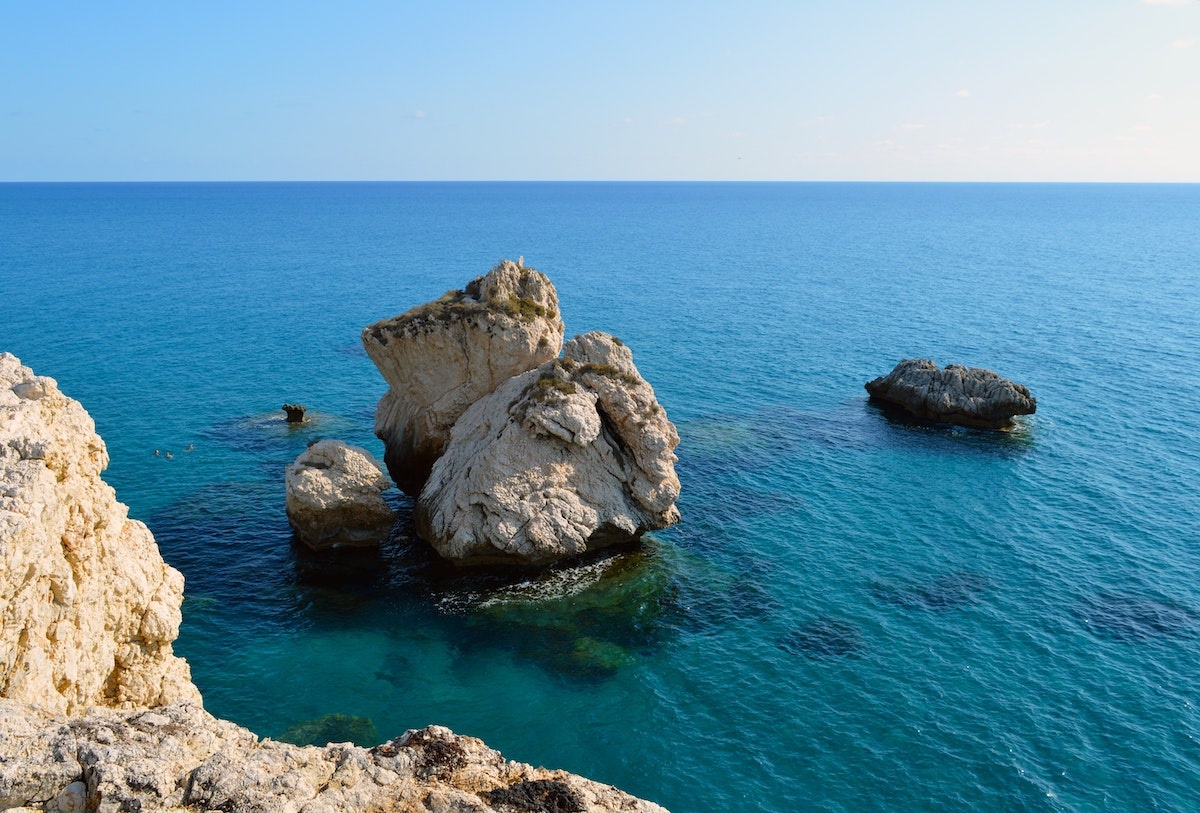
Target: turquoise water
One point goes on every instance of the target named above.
(856, 614)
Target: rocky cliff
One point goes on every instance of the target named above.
(443, 356)
(88, 608)
(180, 759)
(571, 456)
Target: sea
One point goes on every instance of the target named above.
(856, 613)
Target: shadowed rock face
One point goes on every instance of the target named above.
(957, 394)
(334, 496)
(88, 607)
(443, 356)
(570, 457)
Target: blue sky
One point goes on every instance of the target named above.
(1054, 90)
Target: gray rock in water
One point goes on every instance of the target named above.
(443, 356)
(957, 394)
(570, 457)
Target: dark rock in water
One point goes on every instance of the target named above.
(950, 591)
(333, 728)
(1125, 617)
(295, 413)
(959, 395)
(824, 638)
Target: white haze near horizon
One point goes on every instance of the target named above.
(937, 90)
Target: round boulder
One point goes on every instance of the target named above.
(334, 496)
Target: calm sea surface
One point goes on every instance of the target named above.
(856, 614)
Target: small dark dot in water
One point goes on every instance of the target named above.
(949, 591)
(824, 638)
(1126, 617)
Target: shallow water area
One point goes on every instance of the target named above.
(857, 613)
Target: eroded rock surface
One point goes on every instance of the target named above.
(441, 357)
(178, 758)
(574, 455)
(334, 496)
(88, 608)
(957, 394)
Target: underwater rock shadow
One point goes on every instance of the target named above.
(897, 428)
(942, 593)
(825, 638)
(1133, 618)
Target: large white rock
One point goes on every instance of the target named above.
(441, 357)
(88, 608)
(334, 496)
(574, 455)
(179, 759)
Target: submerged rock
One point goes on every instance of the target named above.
(825, 638)
(334, 496)
(572, 456)
(88, 607)
(179, 757)
(957, 394)
(333, 728)
(443, 356)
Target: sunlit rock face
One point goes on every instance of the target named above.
(441, 357)
(572, 456)
(335, 496)
(178, 757)
(957, 394)
(88, 607)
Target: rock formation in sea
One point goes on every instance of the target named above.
(956, 394)
(334, 496)
(96, 712)
(443, 356)
(571, 456)
(179, 758)
(88, 608)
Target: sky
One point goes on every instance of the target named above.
(858, 90)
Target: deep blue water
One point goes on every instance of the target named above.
(855, 615)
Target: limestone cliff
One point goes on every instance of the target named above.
(180, 759)
(88, 608)
(574, 455)
(441, 357)
(957, 394)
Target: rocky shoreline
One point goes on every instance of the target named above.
(98, 714)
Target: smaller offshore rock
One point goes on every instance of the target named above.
(179, 758)
(957, 394)
(334, 496)
(441, 357)
(294, 412)
(572, 456)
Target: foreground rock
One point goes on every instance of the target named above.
(956, 394)
(88, 608)
(88, 611)
(335, 496)
(441, 357)
(572, 456)
(179, 758)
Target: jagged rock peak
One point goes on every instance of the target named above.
(334, 496)
(572, 456)
(88, 608)
(441, 357)
(956, 394)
